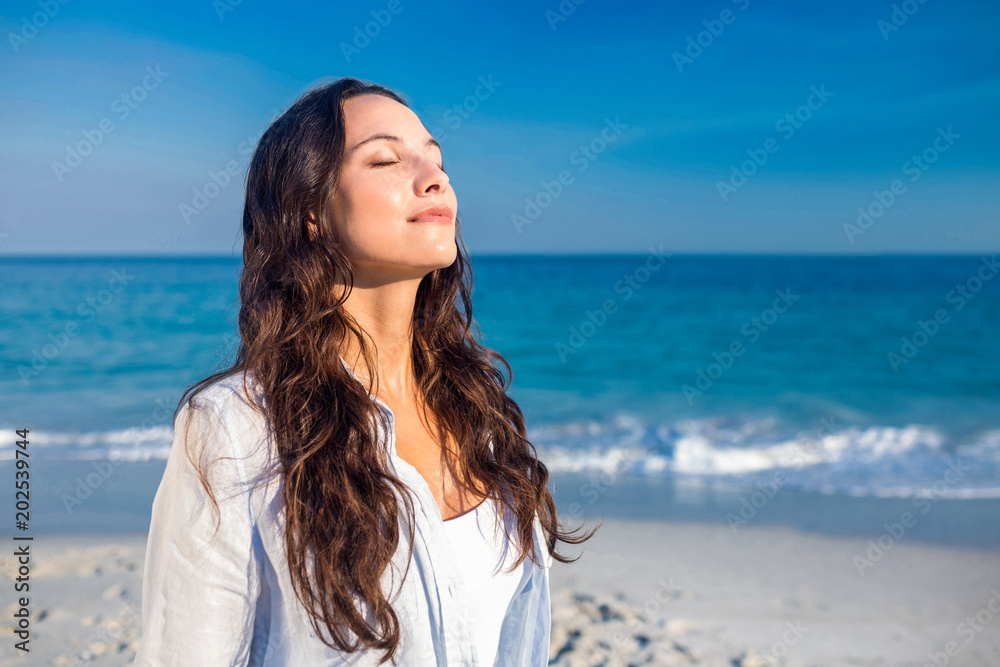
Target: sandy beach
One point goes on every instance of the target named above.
(643, 592)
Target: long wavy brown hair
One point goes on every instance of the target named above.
(339, 499)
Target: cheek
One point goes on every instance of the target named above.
(367, 214)
(377, 202)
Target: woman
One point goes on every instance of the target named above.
(357, 488)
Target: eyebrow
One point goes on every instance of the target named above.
(391, 137)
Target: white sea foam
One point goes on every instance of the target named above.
(881, 461)
(871, 461)
(131, 444)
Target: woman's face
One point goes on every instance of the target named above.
(384, 184)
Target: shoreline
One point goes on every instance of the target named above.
(686, 593)
(75, 499)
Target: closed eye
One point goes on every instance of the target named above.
(385, 164)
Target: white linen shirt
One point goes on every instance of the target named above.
(230, 601)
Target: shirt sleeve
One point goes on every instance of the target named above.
(199, 592)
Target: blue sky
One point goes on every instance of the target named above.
(687, 123)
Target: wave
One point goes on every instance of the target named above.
(886, 461)
(131, 444)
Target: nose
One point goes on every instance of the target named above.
(432, 176)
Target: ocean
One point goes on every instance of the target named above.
(708, 376)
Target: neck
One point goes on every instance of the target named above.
(384, 311)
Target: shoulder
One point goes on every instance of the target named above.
(234, 397)
(234, 407)
(232, 392)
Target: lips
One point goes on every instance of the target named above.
(434, 214)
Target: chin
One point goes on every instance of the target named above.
(445, 256)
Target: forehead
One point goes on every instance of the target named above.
(366, 115)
